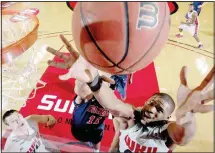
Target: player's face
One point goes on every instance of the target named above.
(15, 121)
(81, 89)
(190, 8)
(154, 110)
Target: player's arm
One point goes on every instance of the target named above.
(38, 118)
(182, 134)
(183, 130)
(49, 120)
(208, 96)
(194, 16)
(115, 143)
(77, 100)
(192, 21)
(81, 70)
(109, 101)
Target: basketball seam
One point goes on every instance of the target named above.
(94, 41)
(127, 33)
(150, 46)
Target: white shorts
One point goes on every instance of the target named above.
(192, 29)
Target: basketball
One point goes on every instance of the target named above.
(120, 37)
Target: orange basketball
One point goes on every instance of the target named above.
(120, 37)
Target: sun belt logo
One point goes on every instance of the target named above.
(148, 15)
(52, 102)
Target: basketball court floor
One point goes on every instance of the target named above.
(55, 18)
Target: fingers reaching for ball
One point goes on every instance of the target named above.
(183, 75)
(207, 80)
(60, 65)
(68, 60)
(199, 108)
(107, 79)
(207, 96)
(194, 100)
(69, 47)
(58, 54)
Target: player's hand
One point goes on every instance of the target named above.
(191, 100)
(68, 60)
(78, 67)
(200, 6)
(51, 121)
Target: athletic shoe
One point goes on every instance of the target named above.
(179, 36)
(200, 46)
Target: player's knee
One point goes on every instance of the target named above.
(195, 35)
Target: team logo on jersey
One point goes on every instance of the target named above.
(136, 147)
(98, 110)
(148, 15)
(35, 145)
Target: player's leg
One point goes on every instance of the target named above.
(181, 28)
(121, 84)
(95, 139)
(96, 147)
(195, 35)
(79, 133)
(180, 34)
(122, 89)
(198, 40)
(198, 11)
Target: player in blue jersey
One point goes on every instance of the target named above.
(198, 6)
(88, 117)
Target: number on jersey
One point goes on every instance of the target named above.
(94, 120)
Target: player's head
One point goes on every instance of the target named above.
(13, 119)
(158, 107)
(191, 7)
(82, 89)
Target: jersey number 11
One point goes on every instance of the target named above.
(94, 120)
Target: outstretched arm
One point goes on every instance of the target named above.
(183, 133)
(183, 130)
(81, 70)
(48, 120)
(108, 100)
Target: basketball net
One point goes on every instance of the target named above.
(19, 35)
